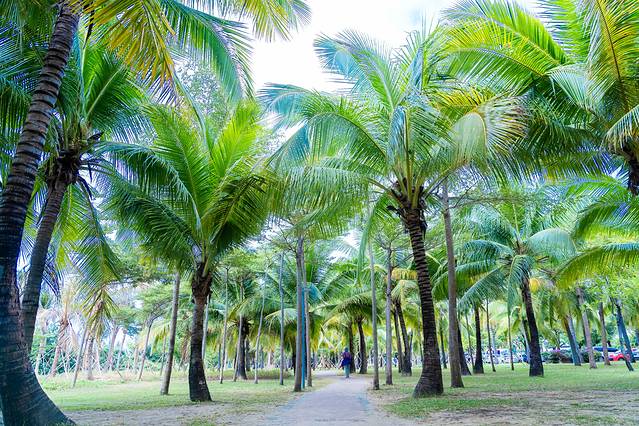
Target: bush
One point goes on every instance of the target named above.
(584, 356)
(556, 357)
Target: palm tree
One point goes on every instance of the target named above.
(190, 196)
(513, 242)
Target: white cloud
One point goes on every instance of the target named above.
(294, 61)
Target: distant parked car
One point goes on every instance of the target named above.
(616, 356)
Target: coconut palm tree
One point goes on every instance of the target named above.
(512, 242)
(192, 194)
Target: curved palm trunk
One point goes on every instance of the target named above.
(166, 379)
(117, 362)
(623, 336)
(64, 323)
(442, 355)
(536, 365)
(22, 399)
(109, 360)
(400, 355)
(604, 334)
(407, 365)
(374, 319)
(363, 366)
(430, 381)
(570, 332)
(478, 366)
(300, 267)
(259, 335)
(389, 329)
(465, 371)
(200, 288)
(453, 350)
(586, 322)
(226, 322)
(31, 294)
(281, 289)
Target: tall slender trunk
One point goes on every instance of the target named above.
(623, 335)
(146, 344)
(226, 322)
(604, 334)
(374, 318)
(490, 343)
(117, 362)
(79, 356)
(400, 354)
(166, 379)
(22, 399)
(205, 329)
(586, 322)
(281, 289)
(64, 323)
(363, 366)
(441, 342)
(200, 288)
(572, 340)
(89, 359)
(407, 364)
(241, 349)
(114, 333)
(259, 335)
(470, 342)
(510, 343)
(453, 351)
(536, 365)
(31, 292)
(40, 355)
(465, 371)
(301, 270)
(163, 356)
(430, 381)
(389, 329)
(307, 334)
(478, 367)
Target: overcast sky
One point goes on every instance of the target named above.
(294, 62)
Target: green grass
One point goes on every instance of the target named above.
(114, 394)
(516, 391)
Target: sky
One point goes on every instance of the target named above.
(294, 61)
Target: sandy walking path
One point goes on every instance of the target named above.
(343, 401)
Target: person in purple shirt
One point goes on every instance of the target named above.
(346, 362)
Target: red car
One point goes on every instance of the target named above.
(617, 356)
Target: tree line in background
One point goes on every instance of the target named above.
(474, 188)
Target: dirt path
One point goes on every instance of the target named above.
(343, 401)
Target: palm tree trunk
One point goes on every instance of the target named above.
(389, 329)
(281, 289)
(166, 378)
(623, 335)
(430, 381)
(205, 329)
(453, 350)
(470, 342)
(146, 344)
(465, 371)
(114, 333)
(31, 293)
(478, 367)
(374, 318)
(586, 322)
(259, 335)
(536, 365)
(89, 359)
(572, 340)
(510, 343)
(200, 288)
(226, 322)
(407, 364)
(22, 399)
(241, 350)
(117, 362)
(490, 343)
(363, 367)
(442, 355)
(604, 334)
(41, 347)
(400, 354)
(58, 346)
(79, 356)
(301, 270)
(307, 334)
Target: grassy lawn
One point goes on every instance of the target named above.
(114, 393)
(566, 395)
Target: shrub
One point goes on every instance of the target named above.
(556, 357)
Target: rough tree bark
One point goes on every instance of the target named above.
(536, 364)
(604, 334)
(623, 335)
(465, 371)
(586, 322)
(200, 288)
(166, 379)
(389, 330)
(570, 332)
(22, 399)
(363, 366)
(478, 366)
(400, 355)
(146, 344)
(407, 364)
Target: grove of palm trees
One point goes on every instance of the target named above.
(442, 230)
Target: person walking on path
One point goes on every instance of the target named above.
(346, 362)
